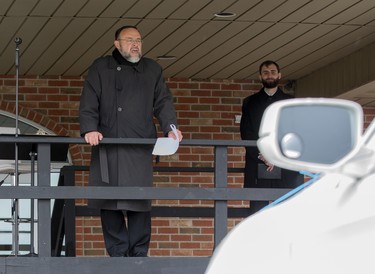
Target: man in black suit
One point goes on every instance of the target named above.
(260, 173)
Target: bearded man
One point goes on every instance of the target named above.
(259, 172)
(122, 94)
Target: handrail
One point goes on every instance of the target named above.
(47, 139)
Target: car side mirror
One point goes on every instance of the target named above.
(311, 134)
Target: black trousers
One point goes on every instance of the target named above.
(126, 240)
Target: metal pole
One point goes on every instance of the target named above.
(18, 41)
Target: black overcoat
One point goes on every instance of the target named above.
(253, 108)
(120, 101)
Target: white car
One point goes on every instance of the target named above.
(328, 226)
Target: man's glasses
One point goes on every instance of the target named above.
(131, 40)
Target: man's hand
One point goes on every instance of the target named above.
(93, 138)
(268, 164)
(172, 135)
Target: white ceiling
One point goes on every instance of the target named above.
(63, 37)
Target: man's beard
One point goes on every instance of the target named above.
(131, 59)
(270, 84)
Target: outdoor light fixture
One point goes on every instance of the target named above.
(166, 57)
(225, 14)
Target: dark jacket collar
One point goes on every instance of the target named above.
(120, 60)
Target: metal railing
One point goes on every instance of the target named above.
(43, 193)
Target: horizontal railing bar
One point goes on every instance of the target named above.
(141, 141)
(139, 193)
(169, 211)
(126, 265)
(170, 169)
(194, 169)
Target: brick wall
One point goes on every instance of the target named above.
(206, 110)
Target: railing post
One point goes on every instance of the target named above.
(221, 207)
(44, 205)
(69, 216)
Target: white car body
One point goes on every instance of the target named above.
(328, 227)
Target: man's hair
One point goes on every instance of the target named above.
(118, 31)
(267, 64)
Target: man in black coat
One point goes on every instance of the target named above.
(260, 173)
(121, 95)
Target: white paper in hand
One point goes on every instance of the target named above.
(166, 145)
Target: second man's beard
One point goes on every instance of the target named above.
(270, 84)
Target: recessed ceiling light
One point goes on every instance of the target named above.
(166, 57)
(225, 14)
